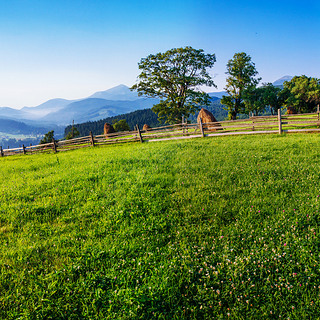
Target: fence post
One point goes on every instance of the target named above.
(1, 152)
(252, 121)
(201, 128)
(54, 146)
(139, 134)
(91, 139)
(24, 149)
(318, 111)
(183, 126)
(279, 120)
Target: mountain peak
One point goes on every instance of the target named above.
(280, 81)
(119, 93)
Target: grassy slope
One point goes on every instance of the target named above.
(198, 229)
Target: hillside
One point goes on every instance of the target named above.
(141, 117)
(212, 228)
(17, 127)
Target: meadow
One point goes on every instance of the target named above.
(212, 228)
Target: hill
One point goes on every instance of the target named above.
(141, 117)
(211, 228)
(17, 127)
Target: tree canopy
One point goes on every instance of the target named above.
(242, 72)
(121, 125)
(272, 97)
(48, 137)
(302, 93)
(73, 133)
(176, 77)
(257, 99)
(254, 100)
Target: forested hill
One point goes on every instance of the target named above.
(140, 117)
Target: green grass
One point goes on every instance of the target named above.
(213, 228)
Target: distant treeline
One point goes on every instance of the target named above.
(140, 117)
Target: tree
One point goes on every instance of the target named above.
(175, 77)
(254, 100)
(73, 133)
(48, 137)
(121, 125)
(272, 97)
(302, 93)
(241, 71)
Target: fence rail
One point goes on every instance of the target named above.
(254, 125)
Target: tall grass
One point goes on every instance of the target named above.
(214, 228)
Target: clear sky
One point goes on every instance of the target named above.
(73, 48)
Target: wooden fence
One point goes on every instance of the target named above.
(254, 125)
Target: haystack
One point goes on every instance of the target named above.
(207, 117)
(108, 128)
(291, 110)
(146, 127)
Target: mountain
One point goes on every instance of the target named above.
(14, 114)
(92, 109)
(280, 81)
(217, 95)
(119, 93)
(61, 112)
(45, 108)
(17, 127)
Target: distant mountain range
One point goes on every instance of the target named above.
(62, 112)
(58, 113)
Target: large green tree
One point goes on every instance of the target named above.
(121, 125)
(302, 93)
(176, 77)
(272, 97)
(254, 100)
(257, 99)
(242, 72)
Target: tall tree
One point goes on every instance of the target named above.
(176, 77)
(242, 72)
(302, 93)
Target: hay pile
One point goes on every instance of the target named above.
(207, 118)
(291, 110)
(108, 128)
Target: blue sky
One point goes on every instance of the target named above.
(71, 49)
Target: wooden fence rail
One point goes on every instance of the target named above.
(253, 125)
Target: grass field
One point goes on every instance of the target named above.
(213, 228)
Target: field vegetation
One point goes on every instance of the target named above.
(214, 228)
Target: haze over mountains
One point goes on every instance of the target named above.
(56, 113)
(62, 112)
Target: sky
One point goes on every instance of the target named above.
(71, 49)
